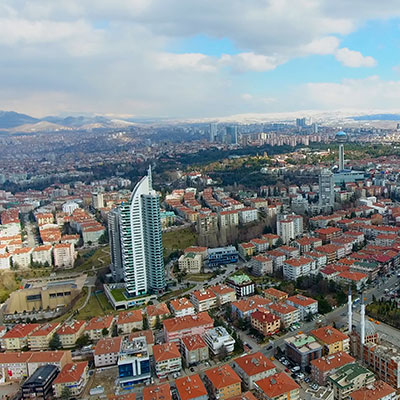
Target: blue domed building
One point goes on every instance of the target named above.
(341, 137)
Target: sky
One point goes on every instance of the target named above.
(198, 58)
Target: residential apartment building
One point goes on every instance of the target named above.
(294, 268)
(288, 314)
(167, 359)
(331, 339)
(42, 255)
(69, 333)
(244, 307)
(261, 265)
(253, 367)
(306, 305)
(275, 295)
(194, 349)
(265, 322)
(98, 327)
(242, 284)
(302, 349)
(127, 321)
(223, 382)
(191, 388)
(277, 387)
(224, 293)
(73, 376)
(203, 300)
(181, 307)
(178, 327)
(247, 215)
(191, 263)
(40, 338)
(157, 311)
(289, 227)
(378, 390)
(107, 351)
(17, 337)
(218, 339)
(323, 367)
(64, 255)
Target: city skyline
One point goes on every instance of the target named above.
(205, 59)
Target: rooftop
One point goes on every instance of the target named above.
(223, 376)
(253, 364)
(190, 387)
(277, 385)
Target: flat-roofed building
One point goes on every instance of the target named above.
(40, 384)
(302, 349)
(253, 367)
(242, 284)
(191, 263)
(218, 339)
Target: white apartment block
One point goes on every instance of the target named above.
(22, 257)
(247, 215)
(42, 254)
(217, 338)
(228, 218)
(64, 255)
(289, 227)
(296, 267)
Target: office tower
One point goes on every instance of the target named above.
(326, 191)
(232, 134)
(114, 235)
(314, 127)
(140, 241)
(97, 200)
(341, 157)
(213, 132)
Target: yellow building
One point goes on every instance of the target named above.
(73, 376)
(40, 338)
(223, 382)
(331, 339)
(17, 337)
(70, 332)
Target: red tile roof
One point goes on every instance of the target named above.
(332, 361)
(190, 387)
(157, 392)
(253, 364)
(301, 300)
(20, 331)
(99, 323)
(71, 372)
(277, 385)
(193, 342)
(127, 317)
(375, 391)
(222, 376)
(187, 322)
(108, 345)
(166, 351)
(328, 335)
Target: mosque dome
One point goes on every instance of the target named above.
(370, 329)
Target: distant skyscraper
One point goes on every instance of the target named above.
(232, 134)
(137, 227)
(213, 132)
(314, 127)
(326, 190)
(301, 122)
(97, 200)
(341, 157)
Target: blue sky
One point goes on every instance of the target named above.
(198, 58)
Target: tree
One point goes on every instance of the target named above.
(82, 341)
(55, 342)
(158, 324)
(323, 306)
(104, 331)
(66, 393)
(145, 323)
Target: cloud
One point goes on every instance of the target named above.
(354, 59)
(115, 56)
(371, 92)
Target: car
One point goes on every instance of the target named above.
(192, 369)
(307, 379)
(295, 369)
(287, 370)
(314, 386)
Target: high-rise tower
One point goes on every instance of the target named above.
(213, 132)
(140, 240)
(326, 190)
(341, 157)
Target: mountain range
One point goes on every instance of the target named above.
(13, 122)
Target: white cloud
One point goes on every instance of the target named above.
(354, 59)
(250, 62)
(324, 45)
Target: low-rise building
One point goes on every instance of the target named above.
(261, 265)
(244, 307)
(190, 263)
(223, 382)
(378, 390)
(306, 305)
(194, 349)
(302, 349)
(246, 250)
(14, 366)
(17, 337)
(181, 307)
(74, 377)
(22, 258)
(59, 358)
(224, 293)
(275, 295)
(253, 367)
(288, 314)
(127, 321)
(349, 378)
(107, 351)
(167, 359)
(262, 245)
(40, 384)
(99, 327)
(331, 339)
(218, 339)
(323, 367)
(157, 392)
(191, 388)
(242, 284)
(40, 338)
(178, 327)
(156, 312)
(279, 386)
(70, 332)
(64, 255)
(203, 300)
(222, 256)
(358, 279)
(42, 255)
(265, 322)
(294, 268)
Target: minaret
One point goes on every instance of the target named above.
(350, 311)
(362, 324)
(341, 157)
